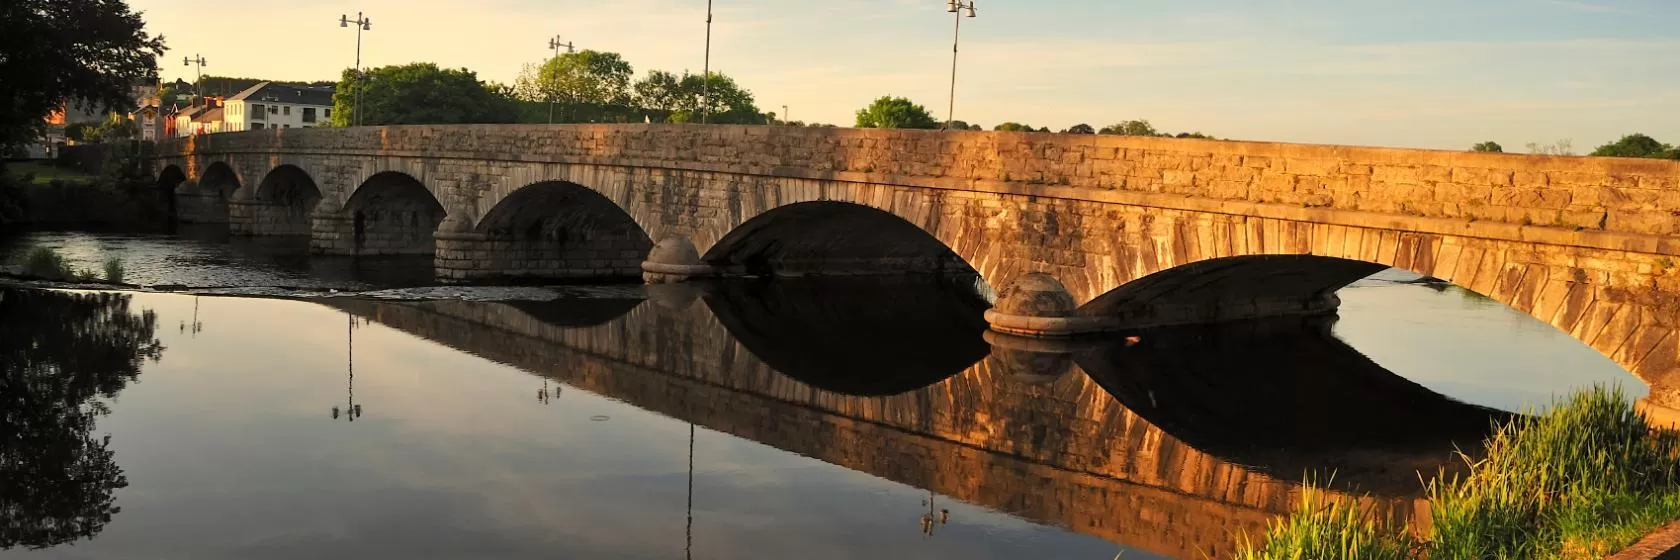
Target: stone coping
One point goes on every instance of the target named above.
(1664, 544)
(679, 269)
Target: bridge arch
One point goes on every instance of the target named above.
(203, 199)
(831, 238)
(550, 229)
(389, 213)
(281, 205)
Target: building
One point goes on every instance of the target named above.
(270, 105)
(200, 119)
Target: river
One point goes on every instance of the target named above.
(272, 405)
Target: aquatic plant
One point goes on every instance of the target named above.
(46, 263)
(114, 270)
(1585, 478)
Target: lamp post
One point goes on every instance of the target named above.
(363, 23)
(706, 78)
(556, 44)
(199, 83)
(787, 116)
(956, 7)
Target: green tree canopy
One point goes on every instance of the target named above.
(421, 93)
(1080, 128)
(1131, 128)
(1013, 126)
(583, 77)
(1488, 146)
(895, 112)
(1638, 146)
(88, 53)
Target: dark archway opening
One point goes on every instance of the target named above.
(206, 202)
(1232, 288)
(832, 238)
(393, 214)
(168, 180)
(557, 230)
(287, 197)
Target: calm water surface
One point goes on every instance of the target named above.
(788, 419)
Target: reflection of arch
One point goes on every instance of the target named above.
(557, 229)
(1284, 394)
(576, 312)
(393, 213)
(286, 197)
(854, 336)
(828, 237)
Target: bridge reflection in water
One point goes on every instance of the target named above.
(1173, 441)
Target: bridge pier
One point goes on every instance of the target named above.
(361, 233)
(674, 259)
(467, 255)
(1038, 305)
(266, 219)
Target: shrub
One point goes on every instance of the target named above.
(46, 263)
(114, 270)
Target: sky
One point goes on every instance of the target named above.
(1418, 73)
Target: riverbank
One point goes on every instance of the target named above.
(1586, 478)
(39, 194)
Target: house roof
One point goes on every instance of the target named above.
(212, 115)
(276, 93)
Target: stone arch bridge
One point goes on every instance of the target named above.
(1079, 232)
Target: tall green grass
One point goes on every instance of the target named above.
(1328, 526)
(1584, 479)
(47, 263)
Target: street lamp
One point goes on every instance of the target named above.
(362, 24)
(706, 79)
(556, 44)
(198, 84)
(956, 7)
(787, 117)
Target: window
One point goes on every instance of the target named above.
(272, 110)
(256, 126)
(288, 126)
(308, 114)
(328, 113)
(257, 112)
(287, 110)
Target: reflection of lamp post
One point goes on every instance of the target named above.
(544, 396)
(928, 519)
(956, 7)
(362, 24)
(197, 327)
(555, 44)
(688, 548)
(352, 410)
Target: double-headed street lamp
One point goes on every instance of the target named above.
(555, 44)
(199, 83)
(362, 23)
(956, 7)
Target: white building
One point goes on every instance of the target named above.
(269, 105)
(201, 119)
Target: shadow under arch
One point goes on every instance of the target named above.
(855, 336)
(392, 213)
(1284, 394)
(832, 238)
(562, 230)
(571, 312)
(1231, 288)
(219, 179)
(286, 198)
(170, 178)
(205, 201)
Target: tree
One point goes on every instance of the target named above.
(1013, 126)
(895, 112)
(1488, 146)
(1197, 135)
(661, 91)
(1131, 128)
(1638, 146)
(1080, 128)
(1563, 147)
(421, 93)
(61, 355)
(81, 52)
(583, 77)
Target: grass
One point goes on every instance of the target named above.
(45, 173)
(1586, 478)
(43, 262)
